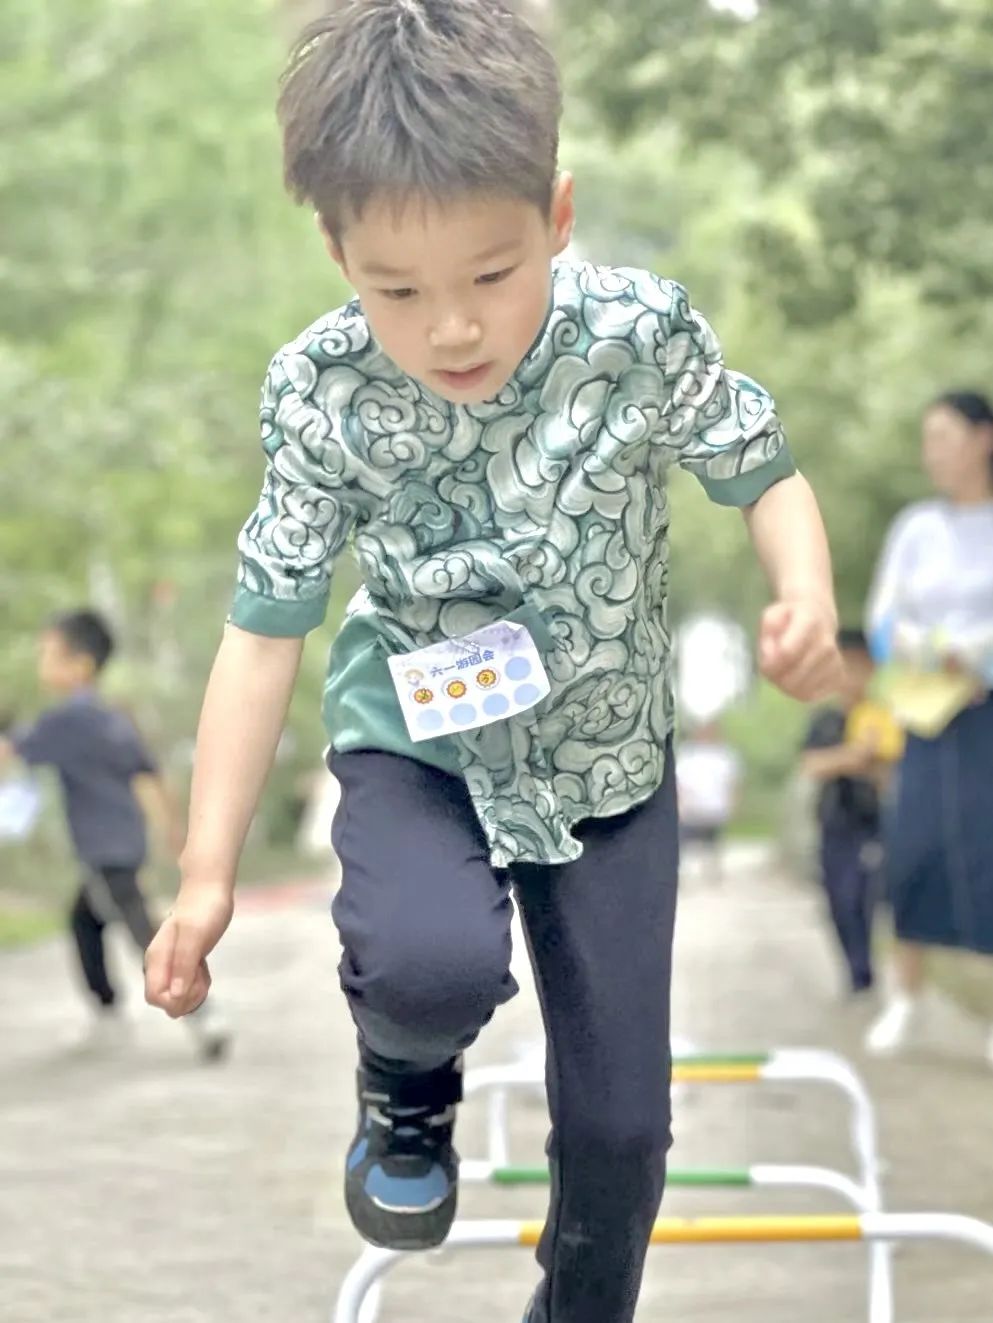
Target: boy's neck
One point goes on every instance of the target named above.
(68, 691)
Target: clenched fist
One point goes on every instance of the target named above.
(176, 975)
(798, 649)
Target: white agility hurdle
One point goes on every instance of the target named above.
(785, 1066)
(863, 1194)
(363, 1279)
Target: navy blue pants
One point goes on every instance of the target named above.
(425, 925)
(850, 880)
(107, 894)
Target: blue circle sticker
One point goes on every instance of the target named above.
(430, 720)
(495, 705)
(463, 713)
(526, 695)
(518, 668)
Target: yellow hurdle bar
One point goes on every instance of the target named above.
(715, 1074)
(734, 1230)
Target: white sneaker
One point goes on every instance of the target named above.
(209, 1032)
(898, 1026)
(107, 1032)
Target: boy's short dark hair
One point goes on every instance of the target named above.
(418, 98)
(85, 633)
(851, 639)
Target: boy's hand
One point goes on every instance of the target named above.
(176, 975)
(863, 756)
(798, 650)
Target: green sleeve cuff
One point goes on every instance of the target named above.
(277, 619)
(746, 488)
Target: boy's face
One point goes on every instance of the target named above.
(857, 675)
(457, 294)
(60, 669)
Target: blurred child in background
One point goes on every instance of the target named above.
(708, 776)
(106, 773)
(849, 750)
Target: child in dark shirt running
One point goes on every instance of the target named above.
(101, 762)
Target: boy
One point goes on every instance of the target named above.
(492, 428)
(708, 780)
(101, 761)
(847, 751)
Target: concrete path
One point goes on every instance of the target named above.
(143, 1187)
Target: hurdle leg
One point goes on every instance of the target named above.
(498, 1127)
(358, 1299)
(369, 1312)
(828, 1067)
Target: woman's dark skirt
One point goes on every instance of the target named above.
(939, 836)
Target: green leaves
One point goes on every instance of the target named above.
(151, 265)
(875, 113)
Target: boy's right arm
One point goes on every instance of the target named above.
(244, 711)
(838, 760)
(827, 755)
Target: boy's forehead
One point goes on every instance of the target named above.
(53, 644)
(398, 237)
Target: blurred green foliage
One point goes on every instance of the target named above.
(820, 179)
(867, 124)
(151, 266)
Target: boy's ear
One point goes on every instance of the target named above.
(86, 668)
(563, 212)
(331, 243)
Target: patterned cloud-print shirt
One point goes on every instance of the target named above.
(546, 505)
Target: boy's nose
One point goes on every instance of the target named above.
(456, 332)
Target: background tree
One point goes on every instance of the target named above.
(820, 178)
(152, 265)
(868, 123)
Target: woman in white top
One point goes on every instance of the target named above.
(932, 607)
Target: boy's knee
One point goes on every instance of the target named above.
(623, 1135)
(442, 987)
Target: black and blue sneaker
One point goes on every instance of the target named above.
(401, 1178)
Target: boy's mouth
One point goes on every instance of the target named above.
(466, 379)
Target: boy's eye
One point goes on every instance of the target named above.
(495, 277)
(398, 295)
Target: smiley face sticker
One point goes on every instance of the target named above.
(463, 684)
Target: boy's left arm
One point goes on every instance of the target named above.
(37, 744)
(162, 808)
(797, 647)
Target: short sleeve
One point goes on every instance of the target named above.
(144, 762)
(888, 626)
(722, 425)
(43, 743)
(302, 521)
